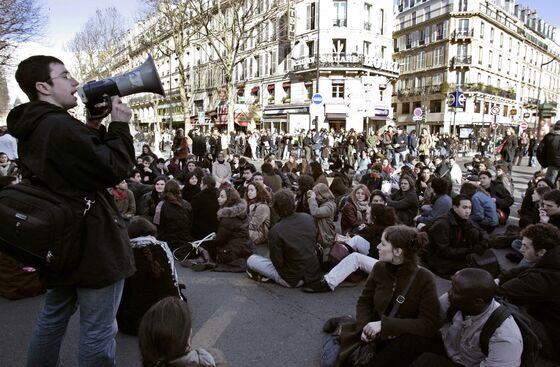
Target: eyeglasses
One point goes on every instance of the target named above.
(65, 75)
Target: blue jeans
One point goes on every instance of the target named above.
(98, 325)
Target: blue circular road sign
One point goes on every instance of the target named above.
(317, 98)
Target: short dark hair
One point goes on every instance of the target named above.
(209, 181)
(140, 226)
(440, 185)
(164, 331)
(267, 168)
(544, 236)
(32, 70)
(458, 198)
(379, 193)
(553, 195)
(250, 167)
(485, 173)
(283, 203)
(468, 189)
(133, 173)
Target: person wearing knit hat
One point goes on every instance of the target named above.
(548, 153)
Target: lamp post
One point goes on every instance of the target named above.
(317, 65)
(538, 123)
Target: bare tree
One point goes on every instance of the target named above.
(172, 33)
(20, 21)
(4, 96)
(230, 29)
(93, 46)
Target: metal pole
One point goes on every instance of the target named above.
(538, 122)
(494, 134)
(170, 111)
(317, 65)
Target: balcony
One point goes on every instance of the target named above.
(483, 88)
(461, 61)
(411, 92)
(461, 35)
(530, 102)
(339, 22)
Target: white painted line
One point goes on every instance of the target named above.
(212, 329)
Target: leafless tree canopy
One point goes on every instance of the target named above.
(92, 46)
(20, 21)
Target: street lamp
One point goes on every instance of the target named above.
(539, 99)
(317, 65)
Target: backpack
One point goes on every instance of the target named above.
(531, 342)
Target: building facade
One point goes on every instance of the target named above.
(498, 53)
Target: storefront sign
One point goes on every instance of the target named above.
(344, 60)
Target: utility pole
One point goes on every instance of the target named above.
(538, 123)
(317, 58)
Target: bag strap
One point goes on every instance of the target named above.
(402, 297)
(497, 318)
(157, 215)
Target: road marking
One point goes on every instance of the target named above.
(212, 329)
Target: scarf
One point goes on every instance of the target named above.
(362, 210)
(119, 194)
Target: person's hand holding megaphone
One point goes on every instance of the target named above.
(119, 112)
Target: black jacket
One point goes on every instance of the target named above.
(175, 224)
(75, 160)
(537, 289)
(232, 237)
(405, 204)
(548, 152)
(292, 249)
(204, 207)
(508, 152)
(504, 200)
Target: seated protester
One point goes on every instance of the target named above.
(428, 163)
(159, 167)
(248, 171)
(173, 217)
(258, 209)
(235, 166)
(483, 211)
(323, 208)
(452, 238)
(340, 191)
(456, 172)
(347, 175)
(270, 178)
(175, 166)
(7, 167)
(536, 288)
(231, 245)
(305, 183)
(317, 173)
(440, 206)
(405, 201)
(423, 185)
(134, 183)
(165, 335)
(291, 165)
(374, 179)
(259, 179)
(355, 211)
(124, 198)
(529, 213)
(365, 255)
(293, 261)
(191, 187)
(221, 171)
(335, 163)
(551, 206)
(401, 338)
(147, 171)
(386, 167)
(148, 202)
(362, 163)
(497, 191)
(469, 303)
(190, 167)
(204, 208)
(442, 168)
(503, 178)
(147, 152)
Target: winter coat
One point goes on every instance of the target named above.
(232, 237)
(508, 151)
(451, 240)
(204, 207)
(189, 191)
(349, 220)
(199, 357)
(292, 249)
(548, 151)
(180, 147)
(147, 205)
(259, 223)
(273, 181)
(221, 172)
(405, 204)
(483, 210)
(199, 146)
(175, 224)
(75, 160)
(126, 206)
(9, 169)
(426, 144)
(498, 191)
(138, 189)
(536, 289)
(418, 315)
(529, 211)
(324, 217)
(441, 206)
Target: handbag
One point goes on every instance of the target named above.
(502, 216)
(487, 261)
(42, 229)
(500, 147)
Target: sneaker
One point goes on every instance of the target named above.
(256, 276)
(319, 286)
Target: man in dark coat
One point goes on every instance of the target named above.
(199, 144)
(205, 206)
(76, 160)
(536, 288)
(548, 153)
(293, 261)
(500, 195)
(453, 237)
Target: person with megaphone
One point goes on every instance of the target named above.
(77, 161)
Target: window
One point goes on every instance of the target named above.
(491, 35)
(406, 108)
(479, 78)
(407, 41)
(482, 30)
(413, 18)
(340, 12)
(407, 63)
(427, 13)
(310, 48)
(311, 16)
(338, 88)
(463, 27)
(501, 39)
(439, 31)
(499, 62)
(339, 46)
(421, 36)
(462, 5)
(421, 60)
(381, 21)
(435, 106)
(510, 43)
(383, 51)
(438, 56)
(480, 54)
(309, 90)
(367, 48)
(462, 52)
(490, 56)
(477, 106)
(367, 21)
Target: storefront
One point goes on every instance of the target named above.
(286, 119)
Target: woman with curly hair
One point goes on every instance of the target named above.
(355, 211)
(258, 206)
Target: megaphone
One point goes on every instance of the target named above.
(144, 78)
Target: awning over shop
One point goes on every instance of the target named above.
(336, 116)
(285, 111)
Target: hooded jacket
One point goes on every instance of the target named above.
(77, 161)
(232, 237)
(548, 152)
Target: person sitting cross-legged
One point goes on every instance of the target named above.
(293, 261)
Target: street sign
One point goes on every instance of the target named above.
(526, 115)
(317, 98)
(495, 110)
(513, 112)
(418, 112)
(524, 125)
(456, 99)
(494, 125)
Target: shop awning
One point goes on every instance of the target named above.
(336, 116)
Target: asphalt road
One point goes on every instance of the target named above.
(254, 324)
